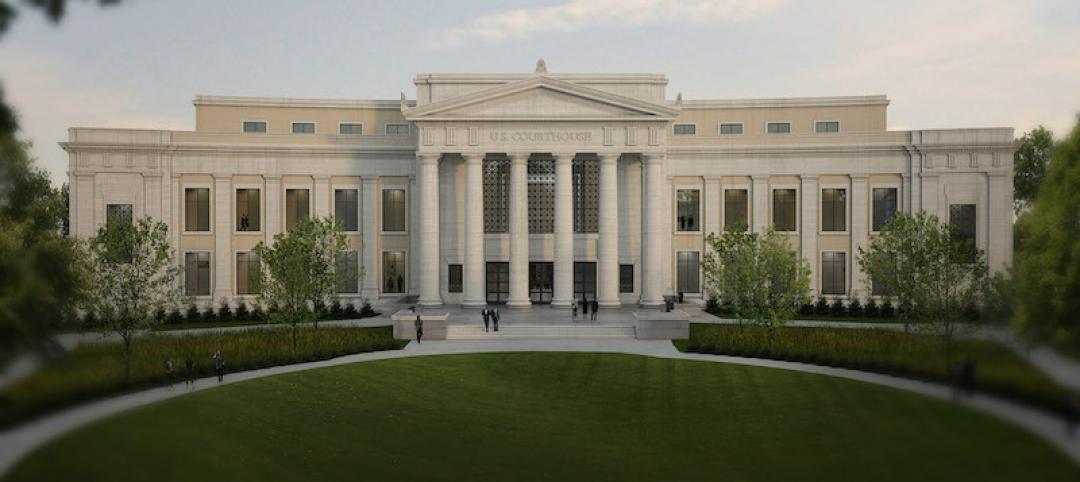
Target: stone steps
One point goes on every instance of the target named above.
(539, 331)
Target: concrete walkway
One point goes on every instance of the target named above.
(16, 443)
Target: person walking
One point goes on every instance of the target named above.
(585, 306)
(595, 307)
(486, 315)
(169, 372)
(419, 328)
(573, 308)
(495, 318)
(189, 371)
(219, 366)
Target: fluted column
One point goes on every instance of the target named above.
(428, 184)
(653, 230)
(563, 275)
(473, 270)
(519, 230)
(607, 246)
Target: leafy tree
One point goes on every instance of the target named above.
(41, 278)
(1047, 267)
(933, 277)
(758, 275)
(299, 271)
(134, 275)
(1029, 166)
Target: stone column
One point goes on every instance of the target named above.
(760, 204)
(473, 269)
(223, 231)
(428, 185)
(177, 223)
(519, 230)
(809, 229)
(1000, 196)
(711, 205)
(563, 276)
(653, 230)
(860, 232)
(607, 246)
(273, 206)
(321, 196)
(369, 228)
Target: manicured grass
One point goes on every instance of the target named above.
(548, 416)
(206, 324)
(94, 370)
(997, 369)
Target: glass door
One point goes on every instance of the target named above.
(584, 281)
(498, 282)
(541, 280)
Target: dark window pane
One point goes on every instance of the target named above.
(351, 129)
(626, 278)
(347, 272)
(346, 208)
(247, 271)
(731, 129)
(255, 126)
(833, 209)
(962, 222)
(453, 278)
(833, 273)
(303, 128)
(296, 207)
(197, 274)
(394, 210)
(247, 209)
(784, 207)
(688, 269)
(884, 206)
(394, 272)
(118, 213)
(685, 129)
(827, 126)
(736, 208)
(779, 128)
(687, 215)
(197, 209)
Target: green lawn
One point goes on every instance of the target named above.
(548, 416)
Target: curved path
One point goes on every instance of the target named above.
(18, 442)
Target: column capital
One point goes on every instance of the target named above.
(272, 177)
(861, 176)
(566, 156)
(607, 157)
(221, 176)
(369, 179)
(321, 177)
(809, 177)
(472, 157)
(653, 158)
(428, 157)
(518, 157)
(760, 178)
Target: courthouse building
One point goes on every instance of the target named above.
(538, 188)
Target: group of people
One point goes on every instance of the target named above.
(490, 315)
(586, 306)
(189, 369)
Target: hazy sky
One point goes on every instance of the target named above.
(953, 63)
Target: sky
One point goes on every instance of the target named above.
(956, 63)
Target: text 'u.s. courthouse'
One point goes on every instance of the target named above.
(538, 188)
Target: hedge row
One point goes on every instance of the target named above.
(997, 369)
(95, 370)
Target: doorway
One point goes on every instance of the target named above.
(584, 280)
(498, 282)
(541, 281)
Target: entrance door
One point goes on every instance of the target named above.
(541, 280)
(584, 280)
(498, 282)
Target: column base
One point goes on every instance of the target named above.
(561, 305)
(473, 303)
(429, 303)
(651, 305)
(518, 304)
(610, 304)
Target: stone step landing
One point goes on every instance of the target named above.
(539, 331)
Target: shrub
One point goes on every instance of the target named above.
(350, 312)
(837, 308)
(224, 312)
(367, 311)
(855, 308)
(175, 317)
(192, 314)
(711, 304)
(806, 309)
(93, 370)
(336, 311)
(321, 313)
(871, 308)
(242, 312)
(821, 307)
(209, 315)
(887, 309)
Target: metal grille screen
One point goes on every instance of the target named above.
(586, 195)
(541, 178)
(496, 195)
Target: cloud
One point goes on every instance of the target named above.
(581, 14)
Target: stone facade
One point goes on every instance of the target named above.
(667, 173)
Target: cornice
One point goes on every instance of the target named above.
(240, 101)
(835, 101)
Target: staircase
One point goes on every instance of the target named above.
(476, 331)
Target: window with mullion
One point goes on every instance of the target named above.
(687, 209)
(833, 273)
(346, 208)
(834, 210)
(884, 206)
(784, 210)
(296, 207)
(963, 224)
(736, 208)
(247, 209)
(346, 272)
(247, 271)
(393, 207)
(197, 274)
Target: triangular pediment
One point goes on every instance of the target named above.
(540, 97)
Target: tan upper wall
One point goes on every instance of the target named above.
(856, 114)
(227, 114)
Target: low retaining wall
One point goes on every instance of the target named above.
(434, 324)
(662, 325)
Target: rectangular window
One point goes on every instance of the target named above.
(540, 179)
(736, 208)
(586, 191)
(626, 278)
(118, 213)
(399, 130)
(347, 208)
(784, 209)
(962, 222)
(688, 272)
(197, 274)
(833, 210)
(393, 210)
(197, 209)
(833, 273)
(684, 129)
(255, 127)
(731, 129)
(346, 272)
(778, 128)
(247, 272)
(350, 129)
(394, 272)
(826, 126)
(884, 206)
(303, 127)
(296, 207)
(247, 209)
(687, 216)
(496, 195)
(453, 278)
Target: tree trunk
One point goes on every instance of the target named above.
(127, 356)
(294, 337)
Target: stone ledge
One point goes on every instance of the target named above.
(435, 322)
(662, 325)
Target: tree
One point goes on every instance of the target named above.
(134, 276)
(299, 271)
(937, 280)
(1047, 267)
(41, 279)
(1029, 166)
(757, 275)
